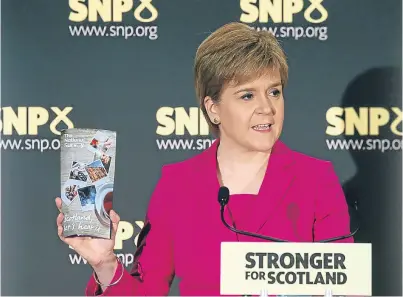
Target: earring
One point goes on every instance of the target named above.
(216, 121)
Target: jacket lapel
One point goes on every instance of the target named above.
(277, 180)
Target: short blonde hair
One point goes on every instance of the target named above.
(234, 53)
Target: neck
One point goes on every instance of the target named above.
(233, 156)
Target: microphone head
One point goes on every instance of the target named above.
(223, 196)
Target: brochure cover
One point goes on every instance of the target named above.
(87, 179)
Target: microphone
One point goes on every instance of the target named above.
(223, 199)
(223, 196)
(292, 213)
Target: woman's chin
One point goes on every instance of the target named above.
(262, 145)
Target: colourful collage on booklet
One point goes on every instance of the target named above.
(87, 178)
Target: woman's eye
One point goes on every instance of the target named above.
(247, 96)
(275, 93)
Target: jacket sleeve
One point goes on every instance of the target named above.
(153, 269)
(332, 217)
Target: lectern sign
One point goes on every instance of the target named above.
(295, 268)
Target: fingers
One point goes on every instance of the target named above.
(58, 202)
(60, 232)
(115, 222)
(114, 217)
(59, 223)
(59, 219)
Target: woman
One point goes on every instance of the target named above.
(240, 75)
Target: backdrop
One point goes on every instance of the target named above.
(131, 71)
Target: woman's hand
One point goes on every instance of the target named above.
(98, 252)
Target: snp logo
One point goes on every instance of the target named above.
(366, 121)
(282, 11)
(111, 10)
(177, 120)
(27, 120)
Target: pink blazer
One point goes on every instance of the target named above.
(300, 200)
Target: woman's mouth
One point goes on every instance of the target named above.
(262, 127)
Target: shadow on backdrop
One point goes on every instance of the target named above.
(377, 184)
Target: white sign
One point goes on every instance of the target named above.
(296, 268)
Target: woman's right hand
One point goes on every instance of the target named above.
(97, 251)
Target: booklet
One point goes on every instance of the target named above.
(87, 177)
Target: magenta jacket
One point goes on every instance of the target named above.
(300, 200)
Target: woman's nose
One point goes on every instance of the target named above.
(266, 106)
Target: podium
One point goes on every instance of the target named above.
(295, 268)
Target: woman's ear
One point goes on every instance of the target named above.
(212, 110)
